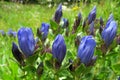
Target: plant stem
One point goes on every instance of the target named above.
(76, 78)
(56, 77)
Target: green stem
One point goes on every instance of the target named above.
(76, 78)
(56, 77)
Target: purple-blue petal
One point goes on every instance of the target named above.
(2, 32)
(79, 16)
(86, 49)
(109, 33)
(92, 28)
(92, 15)
(58, 14)
(65, 23)
(111, 18)
(44, 29)
(59, 48)
(11, 33)
(26, 41)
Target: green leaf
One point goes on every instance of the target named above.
(80, 69)
(42, 56)
(48, 64)
(116, 68)
(29, 68)
(64, 73)
(48, 56)
(54, 25)
(31, 59)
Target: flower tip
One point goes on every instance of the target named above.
(2, 33)
(111, 17)
(101, 21)
(59, 7)
(86, 49)
(14, 45)
(94, 8)
(59, 48)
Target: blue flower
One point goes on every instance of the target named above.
(2, 32)
(76, 22)
(111, 18)
(44, 30)
(11, 33)
(17, 54)
(58, 14)
(119, 78)
(26, 41)
(109, 33)
(92, 15)
(65, 23)
(86, 49)
(101, 21)
(59, 48)
(79, 16)
(92, 28)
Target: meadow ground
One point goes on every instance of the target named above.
(14, 15)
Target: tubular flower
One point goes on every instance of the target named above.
(86, 49)
(2, 32)
(17, 54)
(26, 41)
(58, 14)
(65, 23)
(59, 48)
(92, 15)
(109, 33)
(92, 28)
(11, 33)
(101, 21)
(109, 20)
(44, 30)
(76, 22)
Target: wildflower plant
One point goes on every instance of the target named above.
(55, 53)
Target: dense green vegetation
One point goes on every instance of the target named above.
(14, 15)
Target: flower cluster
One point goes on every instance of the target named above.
(86, 44)
(10, 33)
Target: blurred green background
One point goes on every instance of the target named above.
(31, 13)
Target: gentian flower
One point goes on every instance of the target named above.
(44, 31)
(58, 14)
(100, 29)
(86, 49)
(109, 33)
(93, 60)
(84, 23)
(26, 41)
(2, 32)
(101, 25)
(59, 48)
(79, 16)
(101, 21)
(65, 23)
(77, 22)
(77, 40)
(17, 54)
(109, 20)
(92, 15)
(119, 78)
(92, 28)
(11, 33)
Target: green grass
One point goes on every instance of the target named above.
(17, 15)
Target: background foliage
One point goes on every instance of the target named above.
(14, 15)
